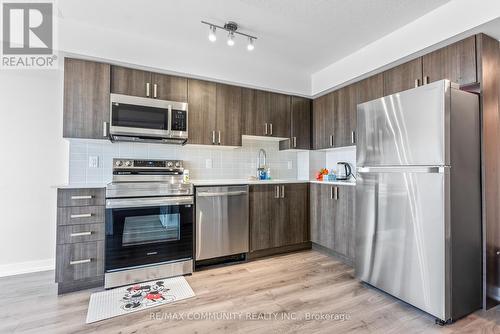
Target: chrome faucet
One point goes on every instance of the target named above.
(261, 157)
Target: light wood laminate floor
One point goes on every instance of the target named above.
(291, 285)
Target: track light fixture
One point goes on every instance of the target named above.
(231, 28)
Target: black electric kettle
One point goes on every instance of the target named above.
(343, 171)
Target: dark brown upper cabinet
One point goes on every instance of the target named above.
(323, 120)
(128, 81)
(265, 113)
(370, 88)
(202, 99)
(169, 87)
(456, 62)
(403, 77)
(134, 82)
(228, 115)
(86, 99)
(279, 115)
(345, 116)
(300, 123)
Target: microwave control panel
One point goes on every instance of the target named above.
(179, 120)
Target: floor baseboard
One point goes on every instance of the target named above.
(26, 267)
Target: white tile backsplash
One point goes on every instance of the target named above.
(226, 163)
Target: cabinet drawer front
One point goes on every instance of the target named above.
(80, 215)
(79, 261)
(80, 197)
(69, 234)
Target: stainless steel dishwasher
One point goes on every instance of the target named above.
(221, 221)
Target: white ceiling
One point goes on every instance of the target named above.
(294, 35)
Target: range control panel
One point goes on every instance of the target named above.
(144, 164)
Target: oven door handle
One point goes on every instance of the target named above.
(117, 203)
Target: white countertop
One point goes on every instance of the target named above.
(223, 182)
(219, 182)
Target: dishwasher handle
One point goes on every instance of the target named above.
(221, 193)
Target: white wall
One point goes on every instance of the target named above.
(445, 22)
(33, 157)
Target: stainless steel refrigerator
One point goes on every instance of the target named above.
(418, 198)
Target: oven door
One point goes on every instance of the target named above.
(143, 231)
(138, 116)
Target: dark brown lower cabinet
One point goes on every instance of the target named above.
(332, 218)
(279, 215)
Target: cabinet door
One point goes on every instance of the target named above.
(261, 113)
(300, 123)
(403, 77)
(201, 112)
(456, 62)
(86, 99)
(323, 119)
(229, 115)
(279, 115)
(129, 81)
(248, 121)
(169, 87)
(280, 216)
(296, 199)
(347, 196)
(345, 116)
(370, 88)
(322, 215)
(343, 211)
(261, 202)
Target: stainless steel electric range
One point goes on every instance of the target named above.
(149, 222)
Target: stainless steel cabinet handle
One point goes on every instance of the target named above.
(426, 80)
(80, 234)
(265, 128)
(83, 215)
(331, 140)
(417, 83)
(80, 261)
(282, 191)
(82, 197)
(294, 142)
(213, 137)
(336, 193)
(353, 137)
(147, 89)
(277, 192)
(331, 192)
(219, 137)
(227, 193)
(271, 128)
(104, 129)
(155, 90)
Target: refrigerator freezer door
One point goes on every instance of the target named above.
(407, 128)
(401, 234)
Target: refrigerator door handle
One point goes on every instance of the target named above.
(399, 169)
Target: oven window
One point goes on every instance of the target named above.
(133, 116)
(162, 227)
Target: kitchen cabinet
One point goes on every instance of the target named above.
(279, 215)
(332, 218)
(140, 83)
(202, 97)
(300, 124)
(344, 128)
(228, 115)
(370, 88)
(456, 62)
(323, 120)
(86, 99)
(80, 239)
(265, 113)
(403, 77)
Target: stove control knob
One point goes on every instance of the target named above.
(169, 164)
(118, 163)
(177, 164)
(128, 163)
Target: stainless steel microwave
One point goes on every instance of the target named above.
(140, 119)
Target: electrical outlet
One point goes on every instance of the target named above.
(290, 165)
(93, 161)
(208, 163)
